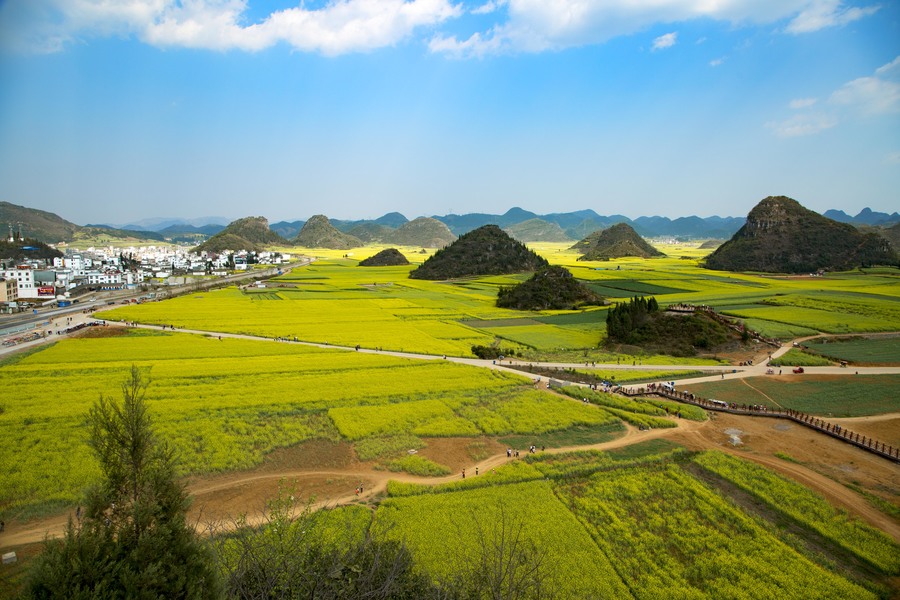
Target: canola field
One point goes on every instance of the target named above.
(335, 301)
(646, 525)
(224, 404)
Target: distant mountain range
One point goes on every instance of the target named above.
(524, 225)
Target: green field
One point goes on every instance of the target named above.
(646, 525)
(224, 404)
(881, 350)
(824, 395)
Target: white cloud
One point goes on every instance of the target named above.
(893, 158)
(489, 7)
(827, 13)
(538, 25)
(664, 41)
(716, 62)
(878, 94)
(800, 103)
(339, 26)
(800, 125)
(868, 96)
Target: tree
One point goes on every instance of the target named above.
(325, 555)
(133, 540)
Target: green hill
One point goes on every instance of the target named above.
(483, 251)
(615, 242)
(371, 232)
(389, 257)
(318, 232)
(553, 288)
(424, 232)
(250, 233)
(537, 230)
(781, 236)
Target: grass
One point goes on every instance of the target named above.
(579, 435)
(823, 395)
(880, 350)
(800, 358)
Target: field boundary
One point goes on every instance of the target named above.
(836, 431)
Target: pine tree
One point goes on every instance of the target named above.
(133, 540)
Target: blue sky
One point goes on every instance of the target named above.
(114, 111)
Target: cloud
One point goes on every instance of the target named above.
(716, 62)
(665, 41)
(827, 13)
(338, 27)
(869, 96)
(800, 103)
(801, 125)
(489, 7)
(878, 94)
(893, 158)
(538, 25)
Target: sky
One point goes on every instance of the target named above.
(115, 111)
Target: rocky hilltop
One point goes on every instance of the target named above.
(318, 232)
(781, 236)
(250, 233)
(389, 257)
(617, 241)
(553, 288)
(483, 251)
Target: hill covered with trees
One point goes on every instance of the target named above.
(781, 236)
(389, 257)
(250, 233)
(483, 251)
(615, 242)
(640, 322)
(424, 232)
(553, 288)
(318, 232)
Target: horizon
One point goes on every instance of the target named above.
(111, 112)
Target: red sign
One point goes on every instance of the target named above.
(47, 290)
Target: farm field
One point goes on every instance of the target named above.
(646, 523)
(335, 301)
(823, 395)
(880, 350)
(226, 403)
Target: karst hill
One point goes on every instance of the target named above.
(781, 236)
(318, 232)
(424, 232)
(618, 241)
(390, 257)
(553, 288)
(484, 251)
(250, 233)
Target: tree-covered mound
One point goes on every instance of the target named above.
(371, 232)
(615, 242)
(390, 257)
(483, 251)
(424, 232)
(250, 233)
(781, 236)
(28, 248)
(318, 232)
(553, 288)
(537, 230)
(639, 322)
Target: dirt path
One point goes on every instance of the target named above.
(223, 498)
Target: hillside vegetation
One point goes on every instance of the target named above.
(553, 288)
(484, 251)
(781, 236)
(250, 233)
(388, 257)
(618, 241)
(318, 232)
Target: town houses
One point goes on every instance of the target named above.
(33, 281)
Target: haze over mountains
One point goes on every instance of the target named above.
(524, 225)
